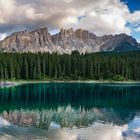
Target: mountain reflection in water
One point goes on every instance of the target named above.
(60, 111)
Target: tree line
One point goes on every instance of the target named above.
(94, 66)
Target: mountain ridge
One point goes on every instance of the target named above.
(66, 41)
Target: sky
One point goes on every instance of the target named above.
(98, 16)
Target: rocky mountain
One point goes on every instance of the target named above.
(66, 41)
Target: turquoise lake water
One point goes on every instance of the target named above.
(70, 111)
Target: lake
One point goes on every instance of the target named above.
(70, 111)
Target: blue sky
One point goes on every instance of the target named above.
(98, 16)
(133, 4)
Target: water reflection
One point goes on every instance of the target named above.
(66, 117)
(76, 111)
(77, 95)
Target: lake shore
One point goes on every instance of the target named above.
(13, 83)
(6, 84)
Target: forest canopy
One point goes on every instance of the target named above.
(95, 66)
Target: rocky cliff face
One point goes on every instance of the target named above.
(66, 41)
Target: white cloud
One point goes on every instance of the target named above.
(6, 10)
(137, 29)
(101, 17)
(134, 17)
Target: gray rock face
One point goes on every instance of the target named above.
(66, 41)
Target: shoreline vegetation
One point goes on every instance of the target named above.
(7, 84)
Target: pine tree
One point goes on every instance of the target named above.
(38, 68)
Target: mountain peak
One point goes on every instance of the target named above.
(70, 30)
(66, 33)
(67, 40)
